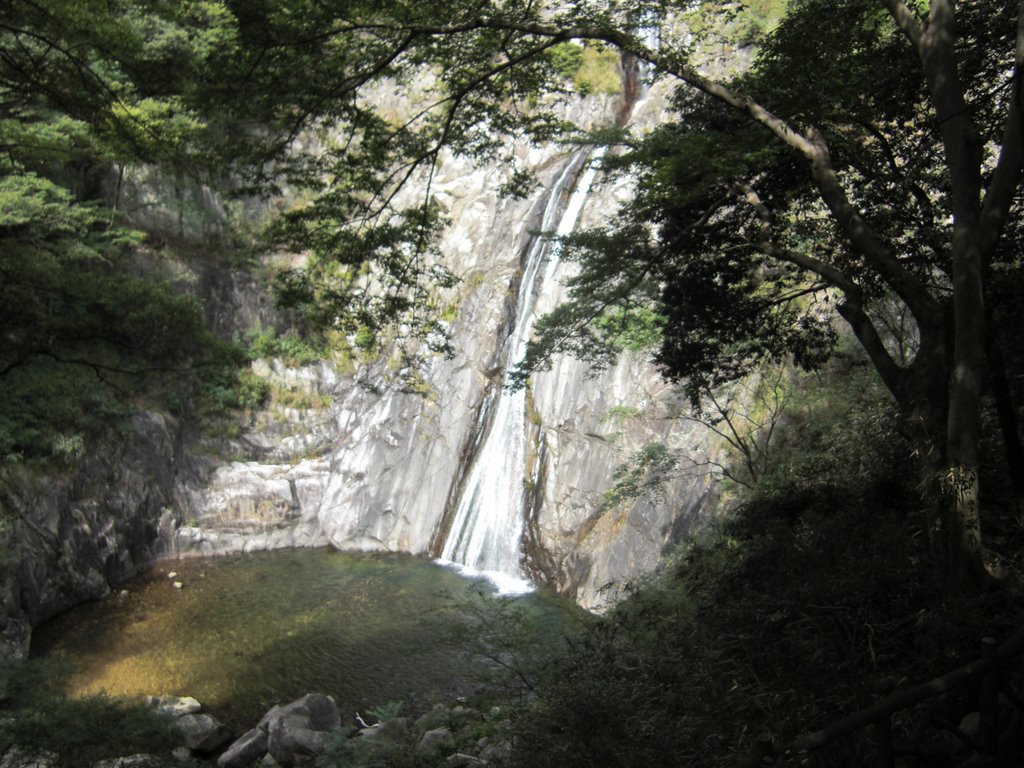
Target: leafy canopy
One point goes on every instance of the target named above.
(85, 85)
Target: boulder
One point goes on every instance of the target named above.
(134, 761)
(496, 753)
(15, 757)
(249, 748)
(298, 732)
(433, 737)
(292, 745)
(175, 706)
(463, 716)
(438, 717)
(971, 724)
(202, 733)
(317, 709)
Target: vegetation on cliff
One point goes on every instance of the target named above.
(87, 88)
(866, 170)
(809, 603)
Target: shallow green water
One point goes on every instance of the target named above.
(250, 631)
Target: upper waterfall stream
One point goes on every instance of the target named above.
(486, 533)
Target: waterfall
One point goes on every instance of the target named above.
(486, 532)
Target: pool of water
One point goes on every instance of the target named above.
(250, 631)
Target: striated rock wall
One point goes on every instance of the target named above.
(77, 536)
(587, 424)
(360, 467)
(387, 465)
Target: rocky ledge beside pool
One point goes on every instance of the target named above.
(300, 732)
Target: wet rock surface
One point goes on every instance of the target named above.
(82, 533)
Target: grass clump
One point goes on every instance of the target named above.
(592, 69)
(37, 717)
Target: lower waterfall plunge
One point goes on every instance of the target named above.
(486, 533)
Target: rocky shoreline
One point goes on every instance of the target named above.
(307, 730)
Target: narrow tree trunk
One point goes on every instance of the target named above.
(963, 523)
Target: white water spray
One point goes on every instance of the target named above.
(486, 533)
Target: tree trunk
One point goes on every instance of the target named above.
(962, 529)
(935, 42)
(925, 410)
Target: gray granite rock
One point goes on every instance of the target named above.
(174, 706)
(433, 738)
(299, 731)
(246, 750)
(15, 757)
(203, 734)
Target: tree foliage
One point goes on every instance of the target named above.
(84, 85)
(867, 167)
(871, 165)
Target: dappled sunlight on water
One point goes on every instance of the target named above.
(247, 632)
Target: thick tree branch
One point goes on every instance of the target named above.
(823, 269)
(851, 309)
(812, 146)
(905, 19)
(892, 374)
(863, 238)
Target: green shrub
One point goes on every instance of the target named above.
(599, 72)
(290, 347)
(566, 59)
(782, 620)
(252, 390)
(592, 69)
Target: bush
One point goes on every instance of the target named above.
(293, 349)
(591, 69)
(599, 72)
(781, 621)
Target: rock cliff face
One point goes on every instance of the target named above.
(77, 535)
(364, 468)
(387, 465)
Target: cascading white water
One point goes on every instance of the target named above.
(486, 532)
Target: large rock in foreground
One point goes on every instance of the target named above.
(298, 732)
(249, 748)
(202, 733)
